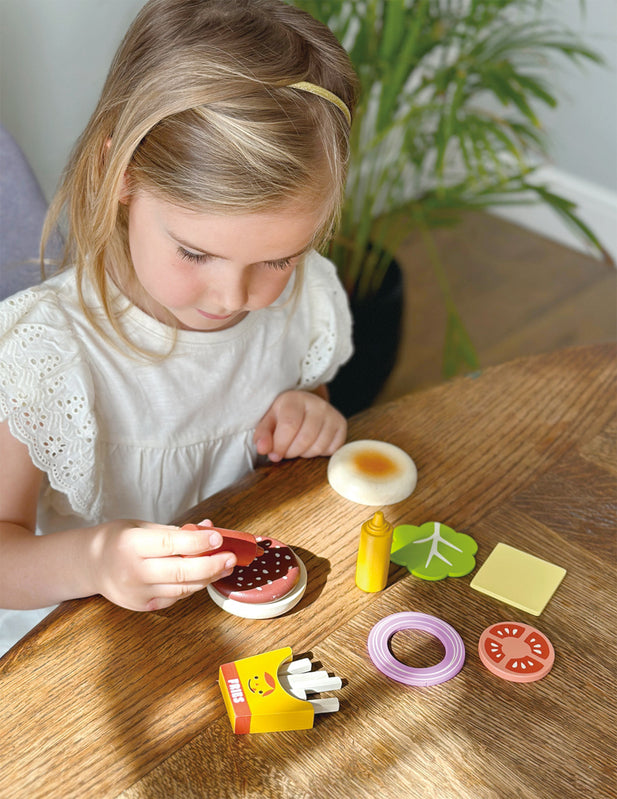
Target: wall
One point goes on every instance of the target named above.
(582, 131)
(583, 128)
(54, 56)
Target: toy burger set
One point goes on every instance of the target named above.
(269, 578)
(267, 692)
(270, 692)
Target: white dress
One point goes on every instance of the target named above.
(122, 436)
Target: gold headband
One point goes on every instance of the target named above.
(305, 86)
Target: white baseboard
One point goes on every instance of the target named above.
(597, 207)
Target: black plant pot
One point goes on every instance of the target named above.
(376, 335)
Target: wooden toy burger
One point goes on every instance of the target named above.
(268, 580)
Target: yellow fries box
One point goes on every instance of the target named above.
(255, 699)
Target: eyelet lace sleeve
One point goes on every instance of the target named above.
(47, 396)
(330, 345)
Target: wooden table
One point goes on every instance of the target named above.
(100, 702)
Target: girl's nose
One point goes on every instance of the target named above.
(230, 290)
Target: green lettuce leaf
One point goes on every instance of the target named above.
(433, 551)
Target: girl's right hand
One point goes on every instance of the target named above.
(144, 566)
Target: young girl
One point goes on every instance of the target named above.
(193, 326)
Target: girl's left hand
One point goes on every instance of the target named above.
(300, 424)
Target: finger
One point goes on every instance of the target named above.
(169, 595)
(157, 541)
(292, 432)
(312, 431)
(264, 444)
(180, 571)
(331, 437)
(263, 434)
(164, 594)
(158, 603)
(338, 439)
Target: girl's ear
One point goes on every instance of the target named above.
(125, 191)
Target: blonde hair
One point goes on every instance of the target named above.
(198, 109)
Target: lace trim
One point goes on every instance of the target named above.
(46, 395)
(332, 347)
(318, 360)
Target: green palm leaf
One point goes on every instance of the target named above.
(427, 141)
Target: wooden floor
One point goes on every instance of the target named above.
(517, 293)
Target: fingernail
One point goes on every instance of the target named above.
(230, 564)
(215, 540)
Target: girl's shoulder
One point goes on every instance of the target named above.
(45, 375)
(41, 335)
(51, 302)
(326, 307)
(321, 287)
(320, 271)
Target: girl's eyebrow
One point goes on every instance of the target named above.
(199, 250)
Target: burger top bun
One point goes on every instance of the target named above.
(372, 473)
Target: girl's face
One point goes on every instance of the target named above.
(210, 271)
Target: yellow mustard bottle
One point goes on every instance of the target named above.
(373, 561)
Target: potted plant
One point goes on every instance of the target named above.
(446, 121)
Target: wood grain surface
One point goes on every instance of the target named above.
(101, 702)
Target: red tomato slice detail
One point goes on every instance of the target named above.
(508, 629)
(493, 650)
(538, 645)
(524, 665)
(516, 652)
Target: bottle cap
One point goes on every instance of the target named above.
(378, 525)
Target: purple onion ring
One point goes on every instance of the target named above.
(381, 656)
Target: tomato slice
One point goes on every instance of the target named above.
(538, 644)
(524, 665)
(508, 629)
(516, 651)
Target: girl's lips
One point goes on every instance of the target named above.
(214, 316)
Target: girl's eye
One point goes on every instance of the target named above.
(283, 264)
(202, 257)
(193, 257)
